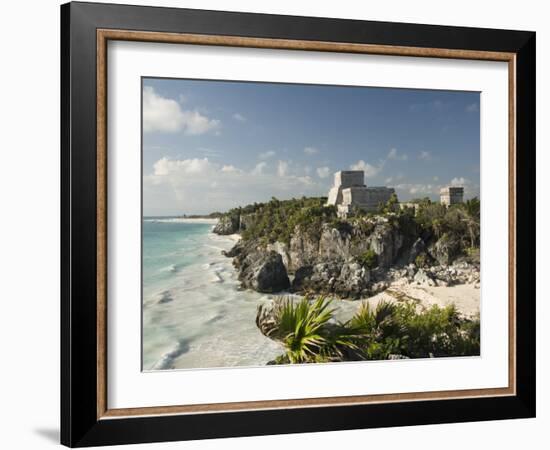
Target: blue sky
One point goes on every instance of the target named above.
(213, 145)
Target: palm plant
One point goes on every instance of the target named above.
(301, 325)
(376, 330)
(308, 333)
(372, 320)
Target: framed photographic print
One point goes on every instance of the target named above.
(277, 224)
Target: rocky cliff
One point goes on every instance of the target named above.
(350, 259)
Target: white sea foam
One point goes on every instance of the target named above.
(209, 322)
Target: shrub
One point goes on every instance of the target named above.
(421, 260)
(276, 220)
(368, 259)
(373, 333)
(436, 331)
(343, 226)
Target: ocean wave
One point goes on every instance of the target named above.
(171, 268)
(224, 237)
(163, 297)
(166, 362)
(216, 277)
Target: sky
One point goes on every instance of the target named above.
(214, 145)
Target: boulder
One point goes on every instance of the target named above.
(353, 281)
(266, 317)
(282, 249)
(318, 278)
(424, 278)
(445, 249)
(347, 280)
(264, 272)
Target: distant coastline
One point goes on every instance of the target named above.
(208, 220)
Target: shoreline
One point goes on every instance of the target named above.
(181, 220)
(215, 327)
(199, 318)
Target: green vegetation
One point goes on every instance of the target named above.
(373, 333)
(368, 259)
(277, 219)
(421, 260)
(304, 329)
(392, 205)
(458, 222)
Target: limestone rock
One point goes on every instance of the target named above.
(423, 278)
(264, 272)
(266, 317)
(397, 356)
(282, 249)
(334, 244)
(318, 278)
(347, 280)
(417, 249)
(304, 249)
(444, 250)
(228, 224)
(386, 242)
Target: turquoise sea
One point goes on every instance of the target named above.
(194, 314)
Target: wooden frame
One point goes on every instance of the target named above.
(86, 418)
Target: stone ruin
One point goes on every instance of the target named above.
(451, 195)
(349, 191)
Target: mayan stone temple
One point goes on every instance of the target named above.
(349, 191)
(451, 195)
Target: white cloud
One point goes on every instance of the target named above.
(472, 107)
(369, 169)
(416, 189)
(165, 166)
(310, 151)
(198, 185)
(459, 181)
(282, 168)
(166, 115)
(239, 117)
(259, 168)
(230, 168)
(267, 155)
(425, 156)
(323, 172)
(393, 154)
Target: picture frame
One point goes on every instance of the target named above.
(86, 418)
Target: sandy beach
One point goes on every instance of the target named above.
(465, 297)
